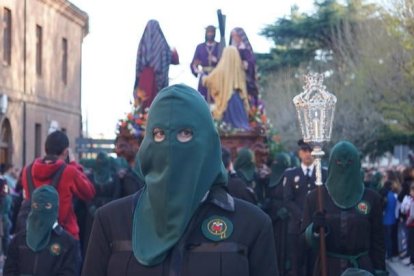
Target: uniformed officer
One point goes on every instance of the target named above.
(182, 222)
(45, 248)
(297, 183)
(352, 217)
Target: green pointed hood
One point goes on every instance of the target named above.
(42, 216)
(344, 183)
(177, 174)
(280, 163)
(376, 181)
(244, 164)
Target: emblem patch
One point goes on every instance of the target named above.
(363, 207)
(296, 179)
(217, 228)
(55, 249)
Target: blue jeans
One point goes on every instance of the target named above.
(391, 240)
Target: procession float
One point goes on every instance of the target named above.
(232, 84)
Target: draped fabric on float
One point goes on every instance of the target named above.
(227, 78)
(242, 34)
(155, 53)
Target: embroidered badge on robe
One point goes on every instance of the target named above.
(55, 249)
(217, 228)
(363, 207)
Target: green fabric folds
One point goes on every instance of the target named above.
(280, 163)
(244, 164)
(43, 214)
(177, 173)
(344, 183)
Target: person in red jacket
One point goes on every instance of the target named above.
(73, 182)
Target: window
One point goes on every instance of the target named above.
(38, 140)
(39, 46)
(64, 60)
(7, 35)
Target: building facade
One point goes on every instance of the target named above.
(40, 75)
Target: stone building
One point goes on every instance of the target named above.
(40, 75)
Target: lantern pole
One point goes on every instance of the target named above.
(317, 153)
(315, 108)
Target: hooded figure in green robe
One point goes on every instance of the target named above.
(42, 217)
(376, 181)
(180, 159)
(344, 183)
(244, 165)
(280, 163)
(102, 172)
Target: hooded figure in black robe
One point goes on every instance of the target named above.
(182, 222)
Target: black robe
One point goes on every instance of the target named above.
(354, 231)
(58, 258)
(105, 193)
(296, 186)
(237, 188)
(248, 251)
(277, 210)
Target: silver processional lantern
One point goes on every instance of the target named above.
(315, 109)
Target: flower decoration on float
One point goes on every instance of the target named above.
(133, 124)
(258, 119)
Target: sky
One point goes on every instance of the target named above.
(115, 29)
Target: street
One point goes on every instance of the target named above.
(397, 268)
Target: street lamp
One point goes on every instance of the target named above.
(315, 109)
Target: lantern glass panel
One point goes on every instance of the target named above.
(315, 109)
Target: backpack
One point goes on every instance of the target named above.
(26, 204)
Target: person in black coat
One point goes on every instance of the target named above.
(298, 182)
(182, 222)
(106, 181)
(236, 186)
(45, 248)
(352, 217)
(277, 208)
